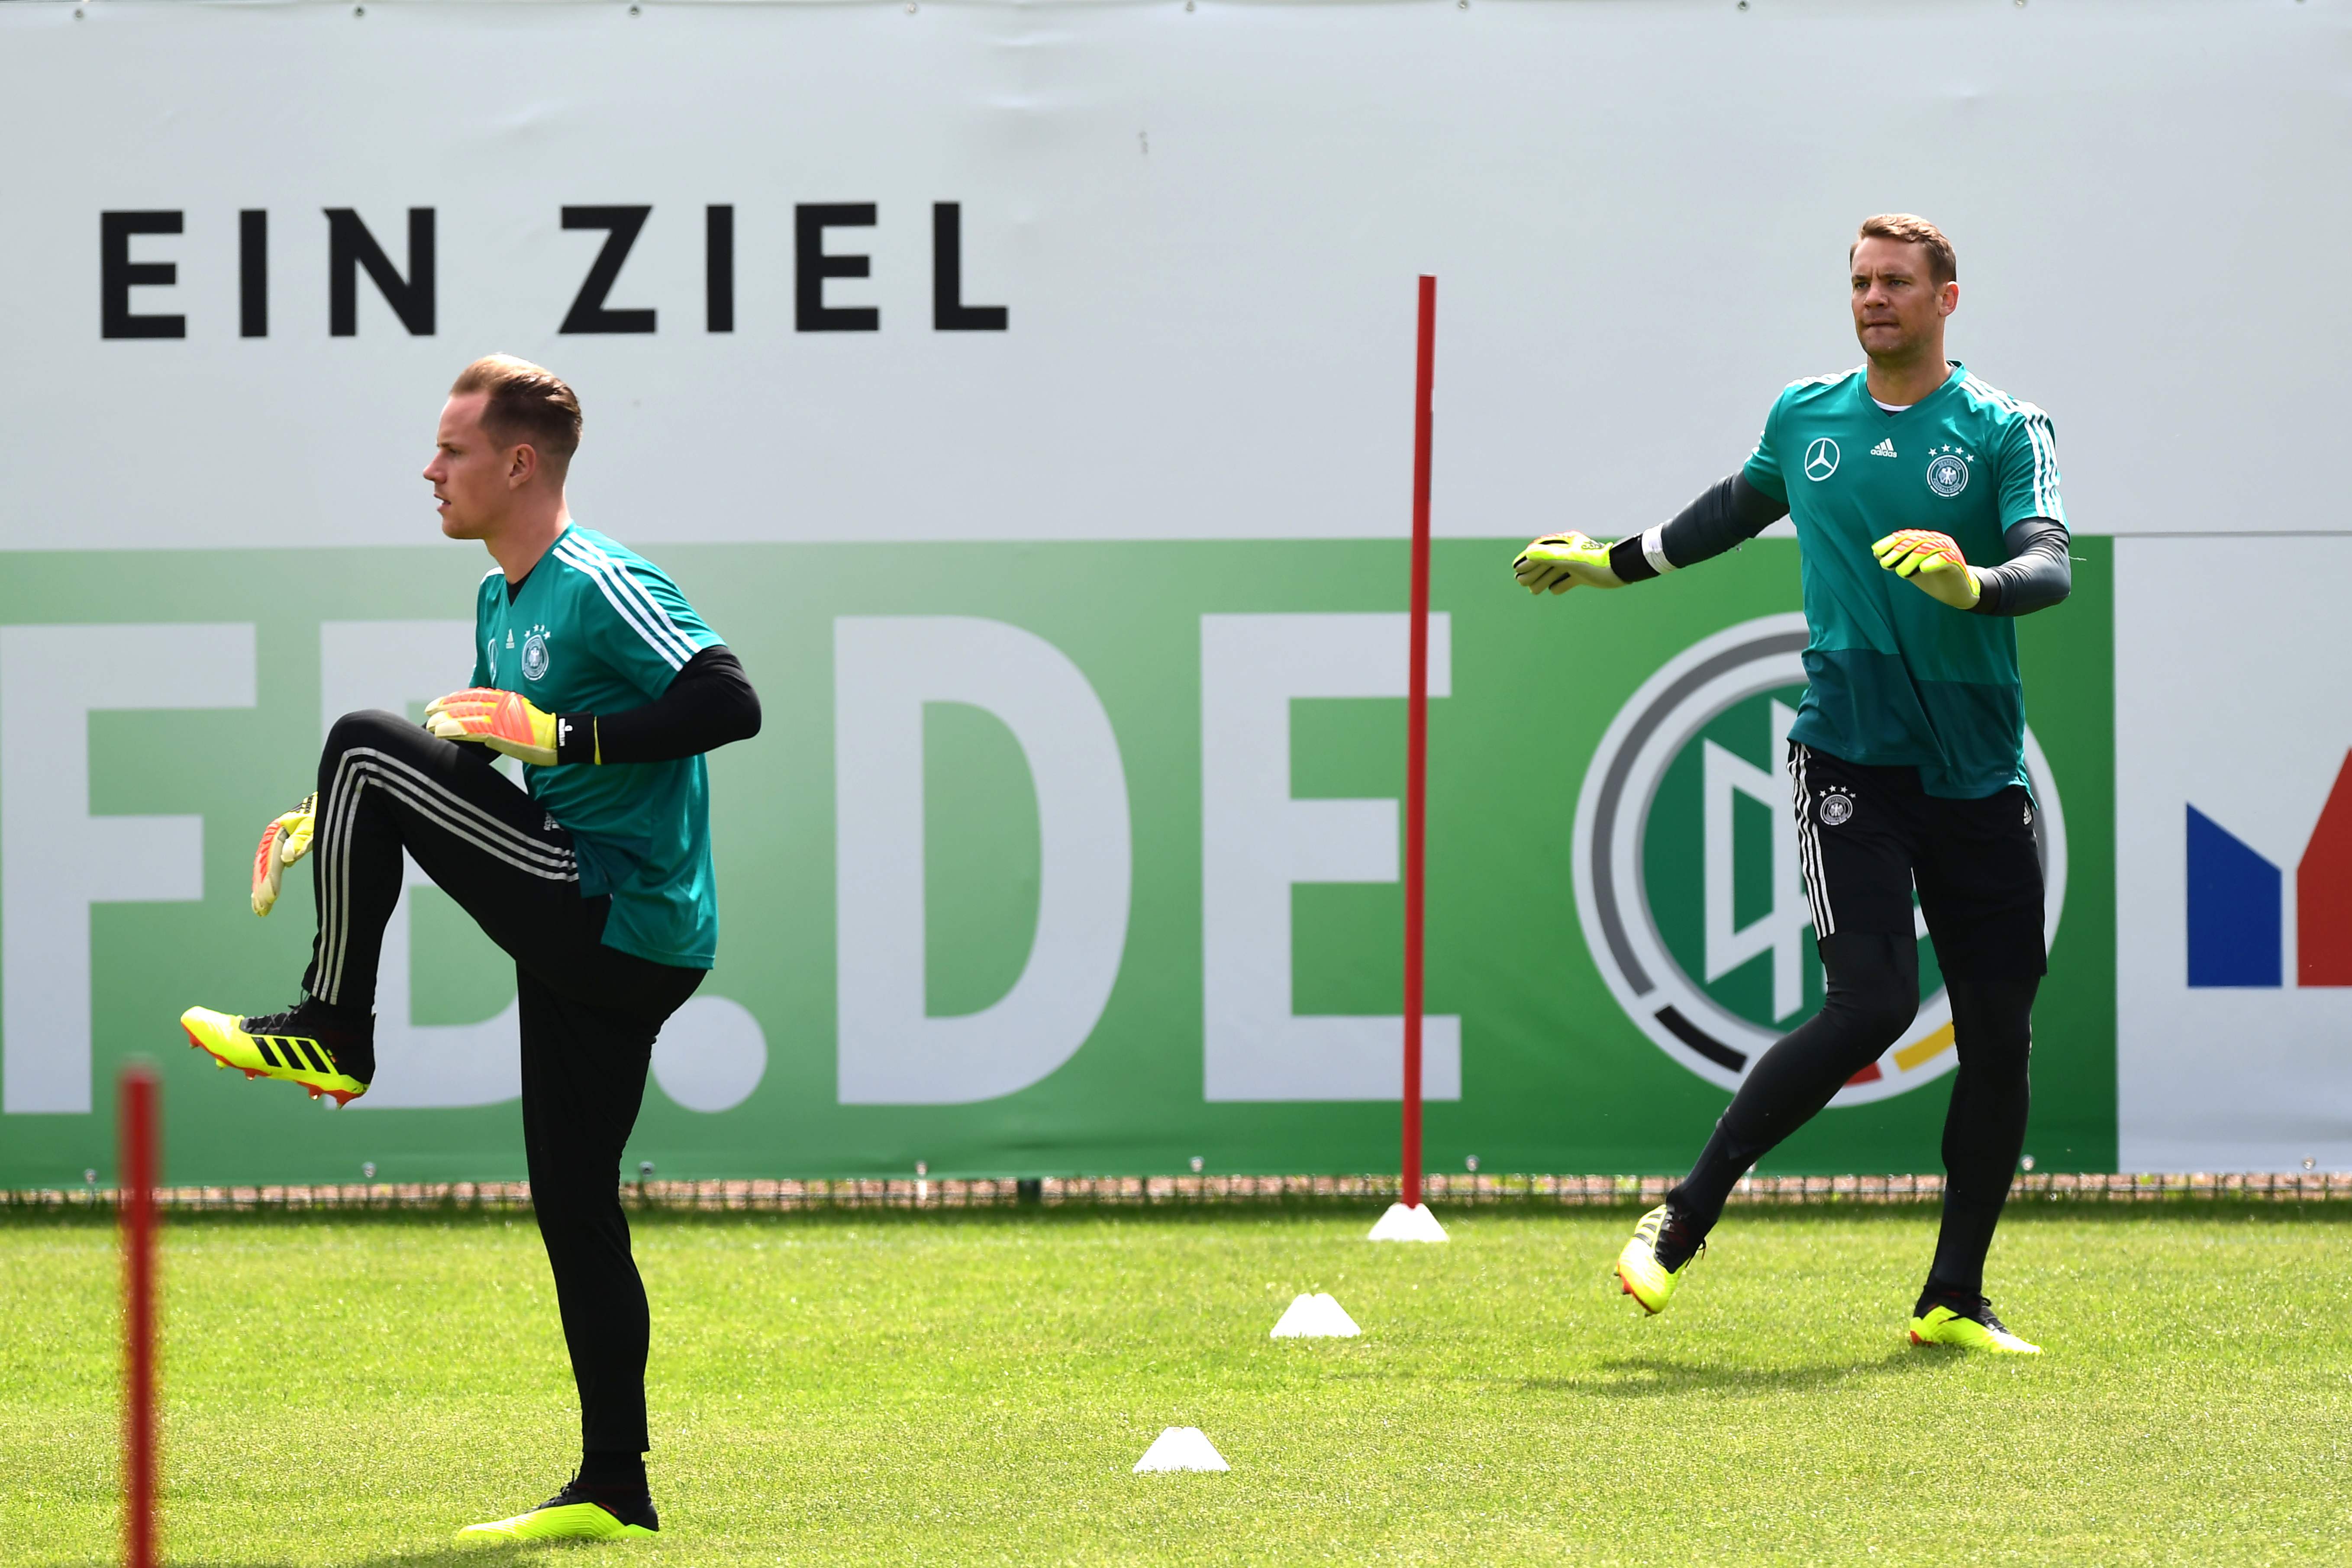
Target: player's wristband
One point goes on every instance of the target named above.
(575, 739)
(1630, 558)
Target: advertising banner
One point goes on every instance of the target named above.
(1061, 857)
(1028, 271)
(2233, 748)
(1022, 391)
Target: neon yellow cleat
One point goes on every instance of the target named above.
(562, 1518)
(300, 1045)
(1639, 1274)
(1978, 1331)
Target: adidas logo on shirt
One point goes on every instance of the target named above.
(1885, 449)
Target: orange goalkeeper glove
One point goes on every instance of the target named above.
(283, 842)
(502, 721)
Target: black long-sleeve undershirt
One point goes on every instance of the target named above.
(1727, 513)
(2037, 574)
(708, 704)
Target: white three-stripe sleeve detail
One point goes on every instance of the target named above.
(628, 582)
(2045, 467)
(651, 620)
(2037, 443)
(654, 609)
(2040, 441)
(611, 581)
(622, 603)
(622, 608)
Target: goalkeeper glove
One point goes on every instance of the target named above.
(1933, 563)
(283, 842)
(1560, 561)
(502, 721)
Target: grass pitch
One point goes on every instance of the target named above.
(871, 1388)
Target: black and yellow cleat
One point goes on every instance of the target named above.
(1974, 1330)
(572, 1514)
(1642, 1273)
(303, 1045)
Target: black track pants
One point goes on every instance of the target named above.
(590, 1013)
(1870, 995)
(1984, 1132)
(1868, 838)
(1873, 996)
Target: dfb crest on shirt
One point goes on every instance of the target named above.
(534, 654)
(1947, 471)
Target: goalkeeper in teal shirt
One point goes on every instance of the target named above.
(1926, 504)
(593, 670)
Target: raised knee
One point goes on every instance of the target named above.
(367, 727)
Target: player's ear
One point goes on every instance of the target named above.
(1947, 299)
(522, 466)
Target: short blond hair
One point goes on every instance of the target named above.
(1910, 228)
(528, 404)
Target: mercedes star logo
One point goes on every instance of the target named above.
(1821, 459)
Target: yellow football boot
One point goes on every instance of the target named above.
(566, 1516)
(1978, 1331)
(301, 1045)
(1639, 1274)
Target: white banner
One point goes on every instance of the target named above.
(2233, 817)
(1014, 271)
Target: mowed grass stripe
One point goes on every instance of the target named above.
(865, 1388)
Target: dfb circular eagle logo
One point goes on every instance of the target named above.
(1689, 865)
(1948, 475)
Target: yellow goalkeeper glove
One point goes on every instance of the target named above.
(1560, 561)
(283, 842)
(1933, 563)
(502, 721)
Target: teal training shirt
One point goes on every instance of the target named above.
(597, 629)
(1895, 678)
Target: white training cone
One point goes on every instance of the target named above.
(1402, 1223)
(1316, 1317)
(1181, 1448)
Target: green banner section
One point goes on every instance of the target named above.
(1110, 890)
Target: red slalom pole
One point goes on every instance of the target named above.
(1416, 738)
(137, 1129)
